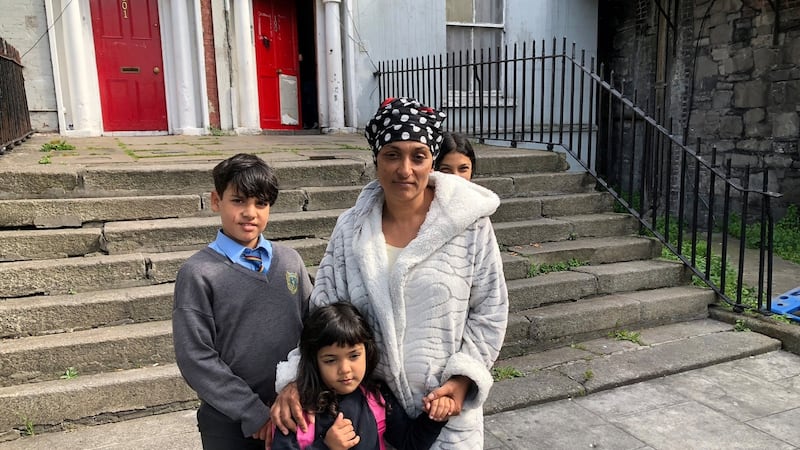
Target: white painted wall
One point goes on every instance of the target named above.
(534, 20)
(391, 29)
(395, 29)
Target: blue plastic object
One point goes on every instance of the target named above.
(788, 304)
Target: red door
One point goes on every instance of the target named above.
(127, 42)
(277, 64)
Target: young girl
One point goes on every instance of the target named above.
(338, 357)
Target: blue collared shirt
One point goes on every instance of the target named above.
(235, 251)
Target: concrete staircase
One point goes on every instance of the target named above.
(88, 258)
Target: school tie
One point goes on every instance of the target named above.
(255, 259)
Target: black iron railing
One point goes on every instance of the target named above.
(15, 121)
(528, 97)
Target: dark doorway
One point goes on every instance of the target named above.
(306, 31)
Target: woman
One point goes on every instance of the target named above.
(417, 255)
(457, 156)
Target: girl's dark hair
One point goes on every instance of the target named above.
(455, 142)
(249, 175)
(334, 324)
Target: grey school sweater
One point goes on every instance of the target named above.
(231, 326)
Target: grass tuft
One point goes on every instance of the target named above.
(505, 373)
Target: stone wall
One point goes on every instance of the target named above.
(747, 88)
(734, 80)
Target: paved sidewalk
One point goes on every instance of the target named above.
(151, 150)
(753, 403)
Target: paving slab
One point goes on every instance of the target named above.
(559, 425)
(694, 425)
(171, 431)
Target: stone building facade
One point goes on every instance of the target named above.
(725, 71)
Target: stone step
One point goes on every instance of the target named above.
(49, 314)
(184, 236)
(515, 267)
(194, 232)
(92, 273)
(571, 371)
(521, 184)
(194, 178)
(22, 245)
(167, 234)
(76, 212)
(526, 232)
(160, 235)
(585, 281)
(73, 275)
(54, 315)
(108, 396)
(93, 350)
(107, 349)
(604, 363)
(329, 197)
(527, 208)
(57, 213)
(492, 163)
(43, 358)
(167, 179)
(576, 204)
(554, 325)
(591, 250)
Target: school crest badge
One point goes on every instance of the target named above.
(292, 281)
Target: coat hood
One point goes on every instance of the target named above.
(457, 203)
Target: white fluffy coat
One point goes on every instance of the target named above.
(443, 308)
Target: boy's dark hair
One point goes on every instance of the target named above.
(249, 175)
(335, 324)
(455, 142)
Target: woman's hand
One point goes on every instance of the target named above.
(286, 412)
(341, 435)
(456, 388)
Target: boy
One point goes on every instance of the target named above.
(239, 306)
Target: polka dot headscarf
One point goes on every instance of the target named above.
(405, 119)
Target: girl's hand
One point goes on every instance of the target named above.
(341, 435)
(441, 408)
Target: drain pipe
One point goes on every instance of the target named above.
(81, 122)
(349, 67)
(333, 62)
(245, 70)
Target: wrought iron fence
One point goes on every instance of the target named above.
(15, 121)
(531, 97)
